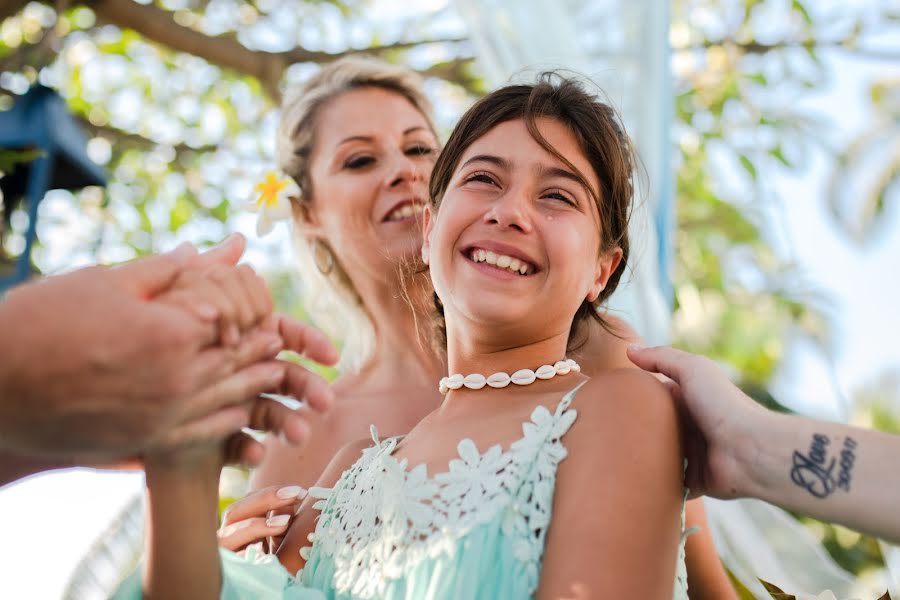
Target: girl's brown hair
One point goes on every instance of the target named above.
(601, 137)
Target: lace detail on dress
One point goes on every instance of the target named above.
(380, 520)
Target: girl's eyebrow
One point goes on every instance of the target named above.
(489, 158)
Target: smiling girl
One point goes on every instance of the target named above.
(530, 479)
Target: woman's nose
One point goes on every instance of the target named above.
(404, 170)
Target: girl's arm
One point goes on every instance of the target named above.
(616, 519)
(707, 578)
(182, 556)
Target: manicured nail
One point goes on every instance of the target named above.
(291, 491)
(278, 520)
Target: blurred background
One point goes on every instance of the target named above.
(770, 133)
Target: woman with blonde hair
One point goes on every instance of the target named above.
(359, 141)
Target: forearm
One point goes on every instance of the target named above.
(829, 471)
(182, 553)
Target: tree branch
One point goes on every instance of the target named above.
(133, 140)
(226, 51)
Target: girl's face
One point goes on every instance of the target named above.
(369, 169)
(515, 244)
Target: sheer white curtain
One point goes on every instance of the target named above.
(622, 45)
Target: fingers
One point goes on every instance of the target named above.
(231, 283)
(306, 340)
(206, 430)
(238, 388)
(237, 536)
(154, 274)
(260, 502)
(273, 416)
(670, 362)
(228, 252)
(303, 384)
(217, 363)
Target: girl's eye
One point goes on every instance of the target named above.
(420, 151)
(558, 195)
(481, 178)
(358, 162)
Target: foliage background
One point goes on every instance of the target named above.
(179, 98)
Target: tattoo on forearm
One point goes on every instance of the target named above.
(815, 472)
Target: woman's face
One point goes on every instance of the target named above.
(369, 169)
(516, 241)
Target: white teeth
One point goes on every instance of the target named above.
(501, 261)
(404, 212)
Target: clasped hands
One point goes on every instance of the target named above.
(106, 364)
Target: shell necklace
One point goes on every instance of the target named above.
(476, 381)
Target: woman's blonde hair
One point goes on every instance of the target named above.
(329, 293)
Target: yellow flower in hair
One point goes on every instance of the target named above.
(271, 199)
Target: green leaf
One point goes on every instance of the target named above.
(798, 6)
(776, 592)
(748, 165)
(778, 154)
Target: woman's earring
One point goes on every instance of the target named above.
(424, 256)
(323, 257)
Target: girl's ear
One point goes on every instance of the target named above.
(427, 226)
(305, 217)
(606, 266)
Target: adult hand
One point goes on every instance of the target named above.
(261, 516)
(719, 420)
(94, 366)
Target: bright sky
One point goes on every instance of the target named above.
(861, 284)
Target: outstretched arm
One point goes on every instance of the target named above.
(829, 471)
(624, 458)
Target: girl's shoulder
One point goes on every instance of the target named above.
(620, 412)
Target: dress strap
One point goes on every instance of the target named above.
(567, 399)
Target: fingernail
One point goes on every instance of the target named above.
(207, 311)
(274, 345)
(183, 251)
(278, 520)
(234, 334)
(291, 491)
(635, 347)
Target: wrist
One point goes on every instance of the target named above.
(761, 452)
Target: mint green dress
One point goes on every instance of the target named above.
(385, 532)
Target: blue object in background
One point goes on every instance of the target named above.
(40, 120)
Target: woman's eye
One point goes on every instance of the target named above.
(420, 151)
(358, 162)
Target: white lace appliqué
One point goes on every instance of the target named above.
(381, 520)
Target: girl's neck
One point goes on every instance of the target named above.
(491, 353)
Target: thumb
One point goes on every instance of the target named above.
(154, 274)
(661, 359)
(228, 252)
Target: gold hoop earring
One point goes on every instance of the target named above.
(323, 257)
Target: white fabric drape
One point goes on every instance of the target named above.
(623, 47)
